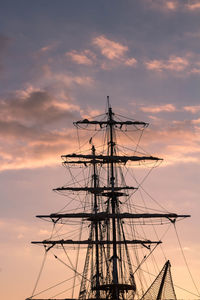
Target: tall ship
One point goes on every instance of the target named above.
(107, 237)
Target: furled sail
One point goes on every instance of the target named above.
(162, 288)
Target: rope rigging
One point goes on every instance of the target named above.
(97, 183)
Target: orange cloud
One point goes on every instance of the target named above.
(114, 52)
(37, 129)
(31, 123)
(178, 143)
(85, 57)
(174, 63)
(193, 109)
(51, 78)
(130, 62)
(174, 5)
(171, 5)
(110, 49)
(197, 121)
(157, 109)
(193, 5)
(165, 6)
(47, 48)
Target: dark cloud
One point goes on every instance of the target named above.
(34, 128)
(13, 130)
(38, 107)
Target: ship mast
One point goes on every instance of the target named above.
(111, 146)
(106, 226)
(95, 181)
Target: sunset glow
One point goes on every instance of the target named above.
(58, 62)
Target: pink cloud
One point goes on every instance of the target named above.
(68, 80)
(174, 63)
(31, 129)
(46, 49)
(85, 57)
(114, 52)
(171, 5)
(176, 143)
(164, 5)
(158, 109)
(193, 109)
(197, 121)
(130, 62)
(193, 5)
(110, 49)
(195, 71)
(37, 128)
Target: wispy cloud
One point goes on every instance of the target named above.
(171, 5)
(167, 6)
(110, 49)
(65, 80)
(186, 65)
(174, 63)
(196, 121)
(31, 123)
(193, 109)
(112, 53)
(193, 5)
(70, 80)
(48, 47)
(158, 109)
(130, 62)
(163, 5)
(85, 57)
(177, 142)
(34, 106)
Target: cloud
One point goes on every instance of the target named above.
(174, 63)
(34, 106)
(34, 129)
(177, 142)
(165, 6)
(186, 65)
(171, 5)
(193, 109)
(197, 121)
(52, 78)
(113, 54)
(193, 5)
(158, 109)
(85, 57)
(110, 49)
(130, 62)
(47, 48)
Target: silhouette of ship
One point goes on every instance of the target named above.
(109, 255)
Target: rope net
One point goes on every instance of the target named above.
(162, 288)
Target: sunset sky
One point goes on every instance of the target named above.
(58, 62)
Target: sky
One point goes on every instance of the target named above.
(58, 62)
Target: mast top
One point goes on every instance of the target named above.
(108, 102)
(117, 123)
